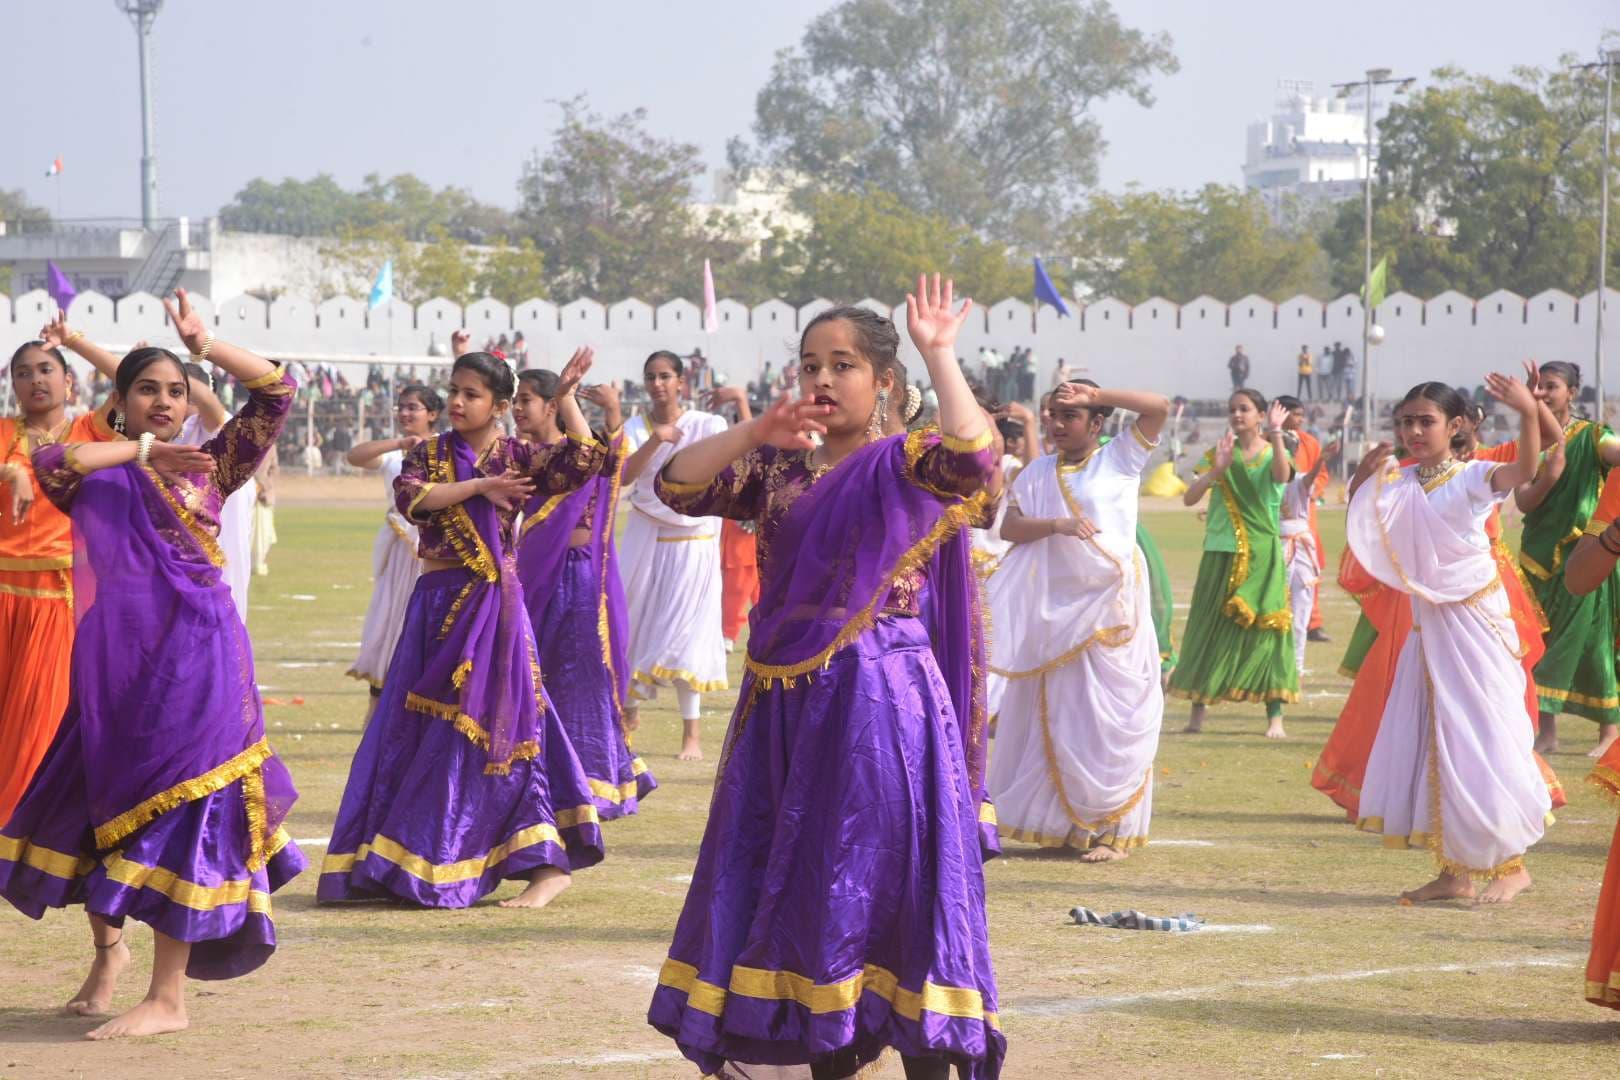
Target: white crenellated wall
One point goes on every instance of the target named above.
(1158, 345)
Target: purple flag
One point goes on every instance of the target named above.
(57, 284)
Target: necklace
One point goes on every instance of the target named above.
(47, 437)
(1429, 472)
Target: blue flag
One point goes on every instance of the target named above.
(1045, 290)
(382, 290)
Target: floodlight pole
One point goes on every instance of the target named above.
(142, 14)
(1374, 78)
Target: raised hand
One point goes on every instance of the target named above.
(1510, 392)
(789, 424)
(55, 333)
(1276, 416)
(172, 461)
(929, 319)
(460, 344)
(1532, 379)
(603, 395)
(724, 395)
(575, 370)
(1372, 463)
(666, 433)
(1223, 450)
(188, 324)
(508, 491)
(1077, 395)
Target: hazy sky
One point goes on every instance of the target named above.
(458, 92)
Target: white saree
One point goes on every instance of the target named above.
(1080, 714)
(394, 570)
(671, 567)
(1452, 768)
(1299, 555)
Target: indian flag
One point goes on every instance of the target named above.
(55, 169)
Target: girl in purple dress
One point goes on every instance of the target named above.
(569, 566)
(837, 906)
(465, 777)
(160, 799)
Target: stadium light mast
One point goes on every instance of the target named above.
(1374, 78)
(142, 14)
(1610, 57)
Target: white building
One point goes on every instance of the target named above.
(1312, 150)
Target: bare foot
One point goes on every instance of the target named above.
(95, 996)
(1607, 733)
(150, 1017)
(1274, 729)
(1103, 853)
(1506, 888)
(691, 749)
(1444, 887)
(544, 887)
(1547, 735)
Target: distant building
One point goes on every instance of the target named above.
(757, 204)
(1313, 150)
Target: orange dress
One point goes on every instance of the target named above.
(1603, 965)
(1305, 459)
(739, 578)
(36, 614)
(1342, 765)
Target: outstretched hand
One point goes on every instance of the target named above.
(575, 370)
(1532, 379)
(172, 461)
(1223, 450)
(1510, 392)
(929, 318)
(790, 423)
(55, 333)
(1276, 416)
(509, 491)
(188, 324)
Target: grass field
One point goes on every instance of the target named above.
(1309, 966)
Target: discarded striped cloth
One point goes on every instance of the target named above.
(1135, 920)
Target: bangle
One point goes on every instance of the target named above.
(75, 336)
(208, 347)
(143, 449)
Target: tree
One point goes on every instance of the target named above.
(19, 215)
(609, 208)
(441, 265)
(322, 207)
(870, 245)
(1218, 241)
(1484, 184)
(975, 112)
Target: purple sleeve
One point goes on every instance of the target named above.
(249, 435)
(58, 474)
(413, 483)
(949, 467)
(737, 493)
(560, 467)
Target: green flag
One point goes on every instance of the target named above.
(1376, 282)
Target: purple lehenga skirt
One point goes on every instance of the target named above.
(838, 899)
(581, 687)
(184, 873)
(421, 821)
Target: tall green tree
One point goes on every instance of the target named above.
(609, 206)
(1484, 184)
(441, 265)
(980, 113)
(1217, 241)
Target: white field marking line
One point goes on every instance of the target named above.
(615, 1059)
(1181, 843)
(642, 973)
(1070, 1006)
(1234, 928)
(314, 841)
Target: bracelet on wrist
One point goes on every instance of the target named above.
(71, 338)
(202, 354)
(143, 450)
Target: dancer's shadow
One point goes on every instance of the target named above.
(19, 1025)
(1273, 1016)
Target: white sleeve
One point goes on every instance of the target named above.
(1129, 452)
(1476, 479)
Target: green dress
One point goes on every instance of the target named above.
(1160, 597)
(1577, 675)
(1239, 641)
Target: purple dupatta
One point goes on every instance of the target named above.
(484, 677)
(838, 552)
(548, 526)
(163, 678)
